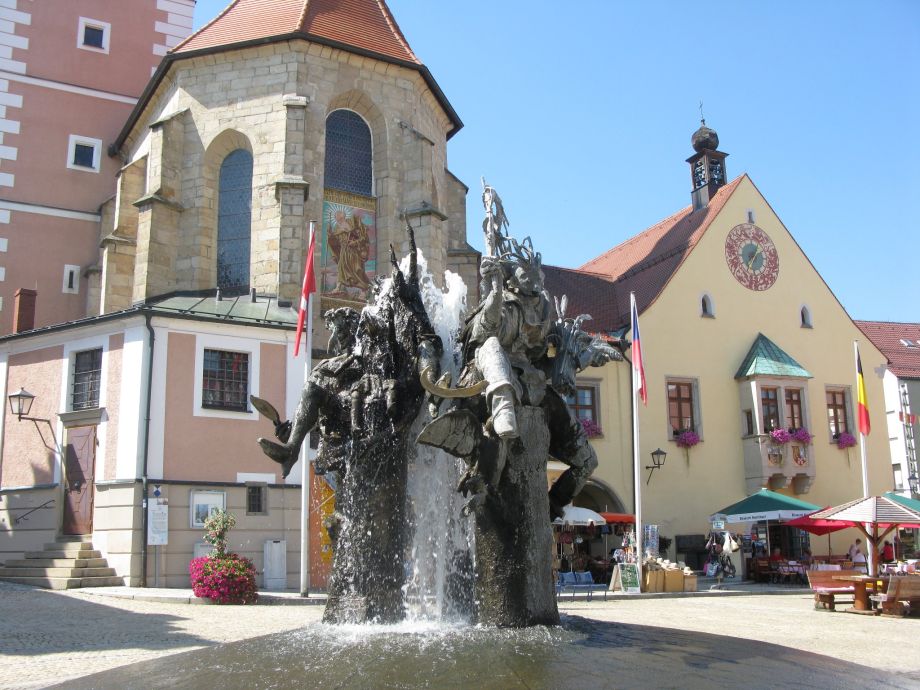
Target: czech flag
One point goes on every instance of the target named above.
(862, 407)
(637, 364)
(309, 287)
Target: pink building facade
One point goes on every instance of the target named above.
(71, 71)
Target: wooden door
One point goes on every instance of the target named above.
(79, 470)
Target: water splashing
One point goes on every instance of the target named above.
(439, 572)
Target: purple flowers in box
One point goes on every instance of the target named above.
(780, 436)
(802, 436)
(687, 439)
(845, 440)
(591, 427)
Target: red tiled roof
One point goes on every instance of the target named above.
(363, 24)
(588, 293)
(903, 361)
(642, 264)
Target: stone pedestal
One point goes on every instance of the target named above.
(514, 537)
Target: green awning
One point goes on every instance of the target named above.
(903, 500)
(766, 358)
(765, 505)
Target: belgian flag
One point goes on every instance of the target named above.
(862, 406)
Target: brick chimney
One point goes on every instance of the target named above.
(24, 310)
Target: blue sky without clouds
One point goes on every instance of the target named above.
(580, 114)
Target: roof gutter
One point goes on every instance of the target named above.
(158, 76)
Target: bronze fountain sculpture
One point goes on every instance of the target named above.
(506, 417)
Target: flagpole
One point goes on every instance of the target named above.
(871, 556)
(305, 457)
(637, 477)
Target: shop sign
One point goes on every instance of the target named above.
(718, 524)
(625, 578)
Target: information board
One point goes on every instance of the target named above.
(625, 579)
(157, 522)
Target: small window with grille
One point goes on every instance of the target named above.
(87, 376)
(225, 381)
(256, 499)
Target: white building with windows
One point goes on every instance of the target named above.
(900, 343)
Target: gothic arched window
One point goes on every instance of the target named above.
(234, 216)
(348, 165)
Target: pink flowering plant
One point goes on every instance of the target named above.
(687, 438)
(845, 440)
(802, 436)
(223, 577)
(780, 437)
(592, 429)
(226, 579)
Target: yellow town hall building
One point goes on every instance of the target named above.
(740, 335)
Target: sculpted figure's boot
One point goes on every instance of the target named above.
(503, 392)
(504, 420)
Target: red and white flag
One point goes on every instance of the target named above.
(309, 287)
(638, 366)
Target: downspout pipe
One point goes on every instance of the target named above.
(144, 486)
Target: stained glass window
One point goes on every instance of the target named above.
(234, 215)
(349, 165)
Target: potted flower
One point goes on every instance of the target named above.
(686, 439)
(222, 576)
(780, 437)
(844, 440)
(802, 436)
(592, 429)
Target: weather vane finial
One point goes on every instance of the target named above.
(702, 119)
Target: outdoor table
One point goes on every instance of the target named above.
(861, 585)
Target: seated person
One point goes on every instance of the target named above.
(776, 556)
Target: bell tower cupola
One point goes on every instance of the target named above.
(707, 165)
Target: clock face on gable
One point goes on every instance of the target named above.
(751, 257)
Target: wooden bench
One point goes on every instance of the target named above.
(827, 588)
(901, 589)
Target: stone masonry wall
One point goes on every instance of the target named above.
(273, 100)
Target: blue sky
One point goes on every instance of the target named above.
(580, 114)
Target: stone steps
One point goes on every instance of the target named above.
(67, 582)
(57, 563)
(29, 571)
(69, 563)
(64, 554)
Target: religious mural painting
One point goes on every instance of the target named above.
(349, 245)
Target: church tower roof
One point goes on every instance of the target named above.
(365, 25)
(362, 27)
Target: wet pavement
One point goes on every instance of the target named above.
(747, 639)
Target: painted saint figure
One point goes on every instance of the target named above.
(349, 243)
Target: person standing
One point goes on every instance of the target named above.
(887, 555)
(856, 551)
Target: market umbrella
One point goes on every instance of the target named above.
(870, 515)
(576, 515)
(765, 505)
(819, 527)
